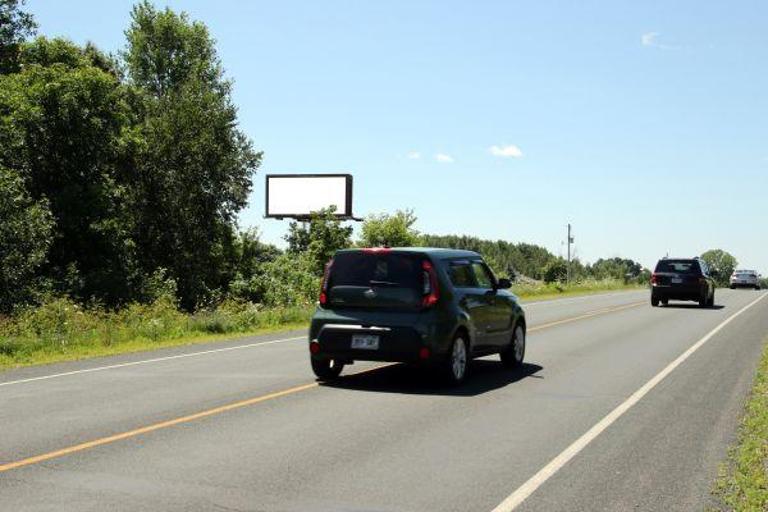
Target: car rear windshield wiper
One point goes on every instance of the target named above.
(373, 282)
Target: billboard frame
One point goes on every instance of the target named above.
(346, 215)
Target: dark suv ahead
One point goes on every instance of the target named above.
(437, 307)
(682, 279)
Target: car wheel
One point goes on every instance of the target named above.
(513, 355)
(703, 301)
(665, 302)
(757, 287)
(458, 361)
(711, 302)
(655, 302)
(326, 369)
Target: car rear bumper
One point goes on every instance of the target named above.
(395, 344)
(743, 284)
(682, 292)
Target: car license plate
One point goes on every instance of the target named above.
(677, 280)
(365, 341)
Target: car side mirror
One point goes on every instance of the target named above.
(504, 283)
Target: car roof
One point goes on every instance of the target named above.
(433, 252)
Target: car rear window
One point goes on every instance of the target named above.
(376, 269)
(678, 266)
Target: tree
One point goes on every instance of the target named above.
(722, 263)
(319, 239)
(193, 166)
(615, 268)
(555, 271)
(15, 26)
(61, 130)
(25, 236)
(385, 230)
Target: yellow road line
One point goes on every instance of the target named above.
(584, 316)
(239, 405)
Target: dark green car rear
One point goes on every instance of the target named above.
(436, 307)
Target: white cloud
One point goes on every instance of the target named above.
(413, 155)
(509, 151)
(443, 158)
(649, 39)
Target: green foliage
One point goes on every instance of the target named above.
(193, 166)
(15, 26)
(289, 280)
(540, 291)
(722, 263)
(384, 230)
(61, 129)
(556, 271)
(25, 236)
(743, 483)
(319, 239)
(506, 259)
(615, 268)
(62, 329)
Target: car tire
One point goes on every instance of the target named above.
(326, 369)
(514, 354)
(711, 302)
(655, 302)
(457, 364)
(665, 302)
(757, 287)
(703, 301)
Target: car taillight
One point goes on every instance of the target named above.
(654, 278)
(324, 287)
(431, 290)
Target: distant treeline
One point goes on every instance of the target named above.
(535, 262)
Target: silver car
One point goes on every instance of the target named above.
(745, 279)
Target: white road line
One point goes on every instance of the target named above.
(524, 491)
(147, 361)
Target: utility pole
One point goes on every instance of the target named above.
(570, 241)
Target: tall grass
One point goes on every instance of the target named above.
(62, 329)
(541, 290)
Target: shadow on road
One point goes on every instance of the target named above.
(400, 378)
(716, 307)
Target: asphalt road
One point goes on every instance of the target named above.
(243, 426)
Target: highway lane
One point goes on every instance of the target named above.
(390, 439)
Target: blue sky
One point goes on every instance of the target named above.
(643, 123)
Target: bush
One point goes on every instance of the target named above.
(289, 280)
(555, 271)
(25, 236)
(385, 230)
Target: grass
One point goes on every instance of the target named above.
(61, 330)
(542, 291)
(743, 482)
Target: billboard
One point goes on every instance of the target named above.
(299, 195)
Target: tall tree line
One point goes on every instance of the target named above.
(115, 167)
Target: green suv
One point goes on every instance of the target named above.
(436, 307)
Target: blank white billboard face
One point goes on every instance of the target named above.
(302, 195)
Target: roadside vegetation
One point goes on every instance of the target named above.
(743, 482)
(121, 178)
